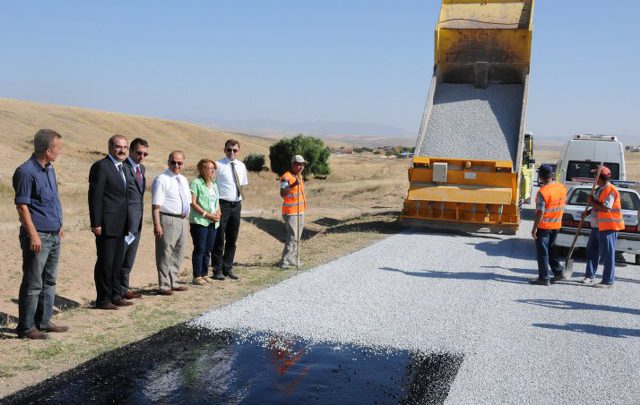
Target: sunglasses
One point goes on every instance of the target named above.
(174, 163)
(145, 154)
(233, 150)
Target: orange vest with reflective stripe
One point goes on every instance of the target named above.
(611, 220)
(555, 197)
(296, 194)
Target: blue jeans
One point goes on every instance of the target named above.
(38, 287)
(545, 239)
(203, 239)
(602, 247)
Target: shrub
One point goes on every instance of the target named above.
(254, 162)
(312, 149)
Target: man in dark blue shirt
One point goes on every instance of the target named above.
(40, 212)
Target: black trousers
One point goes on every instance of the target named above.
(129, 258)
(224, 248)
(108, 268)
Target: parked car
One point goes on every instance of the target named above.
(628, 239)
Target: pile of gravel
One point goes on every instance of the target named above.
(470, 123)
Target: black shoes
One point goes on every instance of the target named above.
(540, 281)
(230, 274)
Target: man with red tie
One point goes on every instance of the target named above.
(138, 151)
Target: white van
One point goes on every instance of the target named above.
(584, 153)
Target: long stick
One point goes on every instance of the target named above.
(575, 237)
(298, 231)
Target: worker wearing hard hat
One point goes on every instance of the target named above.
(606, 222)
(550, 202)
(294, 205)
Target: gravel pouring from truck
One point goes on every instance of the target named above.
(466, 171)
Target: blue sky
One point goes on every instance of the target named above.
(295, 61)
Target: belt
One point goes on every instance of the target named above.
(173, 215)
(232, 203)
(49, 232)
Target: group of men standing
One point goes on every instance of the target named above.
(117, 185)
(606, 222)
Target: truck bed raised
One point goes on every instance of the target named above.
(471, 123)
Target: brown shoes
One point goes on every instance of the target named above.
(199, 281)
(130, 295)
(108, 305)
(123, 303)
(207, 279)
(180, 288)
(32, 333)
(165, 292)
(55, 328)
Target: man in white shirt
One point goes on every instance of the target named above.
(170, 199)
(230, 178)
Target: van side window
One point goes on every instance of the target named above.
(629, 201)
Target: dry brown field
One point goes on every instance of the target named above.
(356, 205)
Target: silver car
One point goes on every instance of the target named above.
(628, 239)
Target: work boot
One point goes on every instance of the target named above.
(231, 275)
(217, 275)
(540, 281)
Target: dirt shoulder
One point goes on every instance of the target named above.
(94, 332)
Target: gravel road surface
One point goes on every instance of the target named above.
(566, 344)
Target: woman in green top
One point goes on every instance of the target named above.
(204, 218)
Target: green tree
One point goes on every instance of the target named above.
(312, 149)
(254, 162)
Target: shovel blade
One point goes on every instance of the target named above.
(568, 269)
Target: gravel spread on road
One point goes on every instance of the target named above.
(469, 295)
(470, 123)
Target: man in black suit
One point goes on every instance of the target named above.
(138, 151)
(108, 185)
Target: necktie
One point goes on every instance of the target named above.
(183, 198)
(139, 177)
(235, 179)
(124, 179)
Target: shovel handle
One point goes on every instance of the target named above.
(575, 237)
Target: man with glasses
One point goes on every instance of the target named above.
(108, 211)
(170, 199)
(138, 151)
(231, 177)
(40, 212)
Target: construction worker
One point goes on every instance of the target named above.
(606, 222)
(293, 207)
(550, 202)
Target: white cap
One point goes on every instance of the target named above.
(298, 159)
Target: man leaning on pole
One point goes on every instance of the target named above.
(606, 222)
(294, 205)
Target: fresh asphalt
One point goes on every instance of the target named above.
(468, 295)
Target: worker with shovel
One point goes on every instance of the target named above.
(293, 208)
(606, 222)
(550, 202)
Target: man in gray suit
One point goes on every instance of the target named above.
(138, 151)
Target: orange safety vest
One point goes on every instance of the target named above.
(296, 194)
(555, 197)
(611, 220)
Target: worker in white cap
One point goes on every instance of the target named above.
(294, 205)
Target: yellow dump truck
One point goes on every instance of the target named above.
(467, 171)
